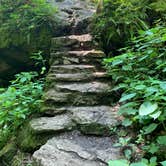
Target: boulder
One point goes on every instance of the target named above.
(74, 15)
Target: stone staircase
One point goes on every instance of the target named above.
(78, 116)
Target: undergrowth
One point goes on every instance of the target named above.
(120, 20)
(26, 24)
(20, 100)
(140, 72)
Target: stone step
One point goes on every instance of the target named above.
(73, 42)
(53, 124)
(74, 149)
(61, 69)
(52, 97)
(90, 87)
(93, 93)
(78, 77)
(77, 57)
(96, 120)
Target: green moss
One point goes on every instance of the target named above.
(95, 129)
(22, 159)
(28, 141)
(7, 153)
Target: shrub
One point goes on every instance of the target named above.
(121, 20)
(26, 23)
(140, 72)
(21, 99)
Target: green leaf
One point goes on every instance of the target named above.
(147, 108)
(163, 163)
(153, 148)
(156, 115)
(150, 128)
(138, 164)
(140, 87)
(117, 62)
(128, 111)
(153, 161)
(118, 163)
(127, 122)
(127, 97)
(161, 140)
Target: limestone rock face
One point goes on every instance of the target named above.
(74, 149)
(74, 15)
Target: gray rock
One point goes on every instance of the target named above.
(77, 57)
(74, 15)
(78, 77)
(73, 149)
(73, 42)
(65, 69)
(99, 114)
(52, 110)
(51, 124)
(98, 120)
(91, 87)
(70, 58)
(77, 97)
(54, 95)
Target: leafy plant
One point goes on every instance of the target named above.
(21, 99)
(140, 73)
(26, 24)
(120, 20)
(143, 162)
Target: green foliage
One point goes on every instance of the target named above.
(26, 23)
(120, 20)
(140, 72)
(21, 99)
(143, 162)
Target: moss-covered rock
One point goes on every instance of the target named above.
(95, 129)
(28, 141)
(22, 159)
(7, 153)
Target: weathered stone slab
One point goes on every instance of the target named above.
(78, 77)
(73, 42)
(65, 69)
(77, 99)
(93, 93)
(97, 120)
(74, 15)
(90, 87)
(77, 57)
(86, 54)
(74, 149)
(51, 124)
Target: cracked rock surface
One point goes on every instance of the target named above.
(74, 149)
